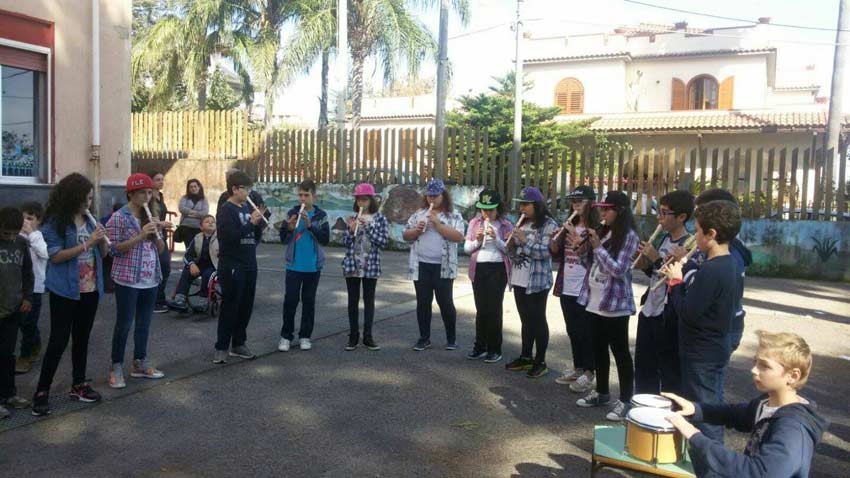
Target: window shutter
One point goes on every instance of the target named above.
(569, 96)
(27, 60)
(726, 93)
(678, 99)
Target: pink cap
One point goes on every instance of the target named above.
(364, 189)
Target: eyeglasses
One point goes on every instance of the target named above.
(244, 188)
(665, 213)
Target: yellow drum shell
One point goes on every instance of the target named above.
(653, 445)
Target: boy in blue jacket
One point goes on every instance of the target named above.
(784, 427)
(304, 234)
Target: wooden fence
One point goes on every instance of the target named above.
(780, 183)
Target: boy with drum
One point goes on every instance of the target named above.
(784, 427)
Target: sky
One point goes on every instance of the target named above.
(485, 46)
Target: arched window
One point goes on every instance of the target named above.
(569, 96)
(702, 93)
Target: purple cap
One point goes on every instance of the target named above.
(530, 194)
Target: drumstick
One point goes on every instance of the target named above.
(357, 225)
(561, 231)
(92, 219)
(670, 261)
(648, 242)
(150, 218)
(258, 210)
(300, 212)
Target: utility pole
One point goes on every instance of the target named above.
(442, 88)
(342, 80)
(518, 83)
(95, 102)
(836, 94)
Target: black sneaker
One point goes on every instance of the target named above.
(492, 358)
(352, 342)
(370, 344)
(422, 344)
(41, 404)
(539, 369)
(84, 393)
(520, 364)
(476, 354)
(160, 309)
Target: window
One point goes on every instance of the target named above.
(23, 114)
(569, 96)
(702, 93)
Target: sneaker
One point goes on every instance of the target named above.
(422, 344)
(160, 309)
(242, 351)
(584, 383)
(539, 369)
(593, 399)
(569, 376)
(520, 364)
(476, 354)
(178, 303)
(16, 402)
(618, 412)
(143, 369)
(353, 340)
(451, 346)
(370, 344)
(23, 365)
(4, 413)
(492, 358)
(116, 376)
(220, 356)
(41, 404)
(305, 344)
(84, 393)
(283, 345)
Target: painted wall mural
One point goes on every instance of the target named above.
(801, 249)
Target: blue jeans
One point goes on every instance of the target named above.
(303, 285)
(186, 279)
(30, 335)
(132, 304)
(703, 382)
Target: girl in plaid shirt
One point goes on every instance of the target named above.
(136, 245)
(607, 297)
(367, 234)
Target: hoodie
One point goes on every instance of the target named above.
(743, 258)
(320, 234)
(780, 446)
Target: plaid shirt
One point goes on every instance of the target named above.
(618, 295)
(536, 248)
(448, 266)
(375, 233)
(123, 226)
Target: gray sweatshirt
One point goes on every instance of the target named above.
(16, 277)
(191, 212)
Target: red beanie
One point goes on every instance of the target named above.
(139, 181)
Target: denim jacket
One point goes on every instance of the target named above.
(63, 279)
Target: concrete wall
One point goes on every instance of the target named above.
(604, 83)
(72, 87)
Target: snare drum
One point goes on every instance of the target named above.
(650, 437)
(651, 401)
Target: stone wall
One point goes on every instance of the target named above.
(801, 249)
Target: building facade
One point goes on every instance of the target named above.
(47, 108)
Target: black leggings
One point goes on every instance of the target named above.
(353, 284)
(488, 288)
(69, 318)
(613, 332)
(427, 286)
(580, 331)
(532, 314)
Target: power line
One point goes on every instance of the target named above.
(721, 17)
(482, 30)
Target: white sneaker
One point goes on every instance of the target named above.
(569, 376)
(305, 344)
(283, 345)
(584, 383)
(116, 376)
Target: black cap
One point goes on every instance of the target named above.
(582, 192)
(489, 199)
(616, 199)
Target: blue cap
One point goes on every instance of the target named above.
(435, 187)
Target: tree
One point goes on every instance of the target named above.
(222, 96)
